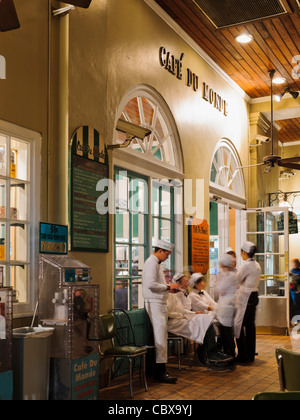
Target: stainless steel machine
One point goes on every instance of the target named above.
(70, 303)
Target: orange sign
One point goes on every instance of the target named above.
(199, 246)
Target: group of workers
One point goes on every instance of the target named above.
(196, 316)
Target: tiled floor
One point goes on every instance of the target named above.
(198, 383)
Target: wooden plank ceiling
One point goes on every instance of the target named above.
(275, 42)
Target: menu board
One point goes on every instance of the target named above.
(89, 229)
(199, 246)
(293, 223)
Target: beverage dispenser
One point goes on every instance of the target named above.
(70, 303)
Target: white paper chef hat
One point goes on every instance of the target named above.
(194, 278)
(227, 250)
(177, 277)
(161, 244)
(227, 261)
(248, 246)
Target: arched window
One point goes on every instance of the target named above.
(146, 201)
(146, 108)
(226, 173)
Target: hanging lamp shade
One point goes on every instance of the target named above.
(8, 16)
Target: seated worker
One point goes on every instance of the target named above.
(201, 301)
(227, 286)
(194, 326)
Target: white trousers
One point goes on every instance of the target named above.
(158, 314)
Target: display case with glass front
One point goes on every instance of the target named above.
(15, 214)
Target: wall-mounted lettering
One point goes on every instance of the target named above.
(192, 80)
(215, 99)
(175, 66)
(171, 63)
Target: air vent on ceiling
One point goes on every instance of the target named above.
(234, 12)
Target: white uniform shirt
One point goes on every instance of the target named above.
(155, 288)
(201, 302)
(227, 286)
(249, 275)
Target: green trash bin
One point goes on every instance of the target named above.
(31, 363)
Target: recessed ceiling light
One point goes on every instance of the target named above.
(244, 38)
(279, 80)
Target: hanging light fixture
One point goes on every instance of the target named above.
(294, 94)
(285, 202)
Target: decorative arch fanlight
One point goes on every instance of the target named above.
(149, 111)
(226, 173)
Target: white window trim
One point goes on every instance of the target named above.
(152, 95)
(224, 192)
(34, 139)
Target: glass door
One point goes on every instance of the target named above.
(268, 228)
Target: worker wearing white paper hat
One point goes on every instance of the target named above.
(156, 292)
(248, 276)
(201, 300)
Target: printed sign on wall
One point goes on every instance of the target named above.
(199, 246)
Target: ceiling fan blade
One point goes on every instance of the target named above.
(79, 3)
(290, 160)
(8, 16)
(252, 166)
(294, 166)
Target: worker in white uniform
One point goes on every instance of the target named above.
(227, 287)
(201, 300)
(182, 320)
(195, 326)
(248, 276)
(156, 292)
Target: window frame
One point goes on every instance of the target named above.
(148, 228)
(130, 278)
(33, 140)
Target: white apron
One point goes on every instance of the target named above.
(158, 314)
(227, 287)
(185, 324)
(242, 300)
(226, 312)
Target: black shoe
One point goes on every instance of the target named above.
(165, 378)
(219, 357)
(222, 368)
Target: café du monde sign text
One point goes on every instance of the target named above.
(174, 65)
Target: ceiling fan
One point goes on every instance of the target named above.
(272, 160)
(9, 18)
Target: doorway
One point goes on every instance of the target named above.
(225, 232)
